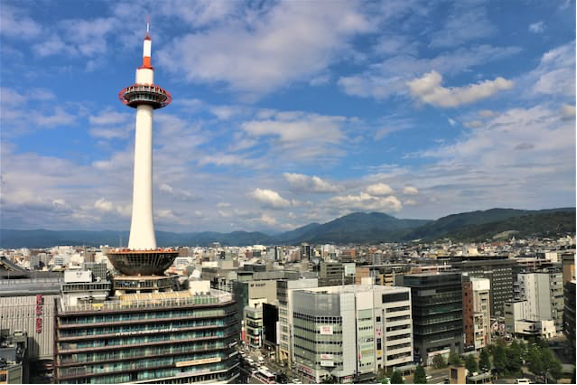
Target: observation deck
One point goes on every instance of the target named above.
(142, 262)
(148, 94)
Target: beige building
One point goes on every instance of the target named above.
(476, 311)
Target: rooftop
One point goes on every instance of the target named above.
(150, 301)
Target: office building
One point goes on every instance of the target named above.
(351, 332)
(543, 292)
(336, 273)
(476, 312)
(569, 315)
(521, 323)
(437, 303)
(499, 271)
(285, 290)
(27, 305)
(179, 337)
(568, 263)
(14, 360)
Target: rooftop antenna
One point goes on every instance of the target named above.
(148, 24)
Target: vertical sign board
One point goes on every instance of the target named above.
(39, 311)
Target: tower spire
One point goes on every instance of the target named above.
(147, 47)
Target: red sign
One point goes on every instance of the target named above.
(39, 310)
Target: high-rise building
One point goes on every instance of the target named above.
(351, 332)
(569, 314)
(568, 261)
(180, 337)
(543, 292)
(285, 290)
(476, 312)
(499, 271)
(437, 302)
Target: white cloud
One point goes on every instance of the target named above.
(289, 41)
(304, 136)
(463, 24)
(486, 113)
(568, 110)
(15, 23)
(223, 205)
(537, 27)
(389, 77)
(268, 220)
(269, 198)
(410, 190)
(379, 189)
(555, 74)
(366, 202)
(103, 205)
(304, 183)
(110, 117)
(428, 89)
(452, 122)
(473, 124)
(409, 202)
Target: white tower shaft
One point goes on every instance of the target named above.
(142, 235)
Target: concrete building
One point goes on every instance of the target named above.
(569, 314)
(476, 312)
(285, 290)
(568, 262)
(437, 302)
(350, 332)
(336, 273)
(499, 271)
(14, 360)
(179, 337)
(543, 292)
(520, 323)
(27, 305)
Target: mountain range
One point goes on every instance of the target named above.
(360, 228)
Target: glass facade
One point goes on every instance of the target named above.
(437, 303)
(193, 342)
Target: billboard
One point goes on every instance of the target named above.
(326, 330)
(349, 269)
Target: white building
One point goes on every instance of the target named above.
(350, 332)
(285, 290)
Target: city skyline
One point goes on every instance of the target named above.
(290, 113)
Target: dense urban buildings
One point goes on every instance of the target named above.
(437, 305)
(499, 271)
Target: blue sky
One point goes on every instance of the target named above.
(285, 113)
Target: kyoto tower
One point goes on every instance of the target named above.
(142, 257)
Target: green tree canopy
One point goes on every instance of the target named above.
(397, 378)
(439, 361)
(500, 359)
(485, 360)
(455, 360)
(420, 375)
(471, 364)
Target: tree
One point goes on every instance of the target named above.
(455, 360)
(396, 378)
(439, 361)
(500, 359)
(551, 364)
(420, 375)
(471, 364)
(514, 360)
(485, 360)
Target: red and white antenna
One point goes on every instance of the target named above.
(147, 46)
